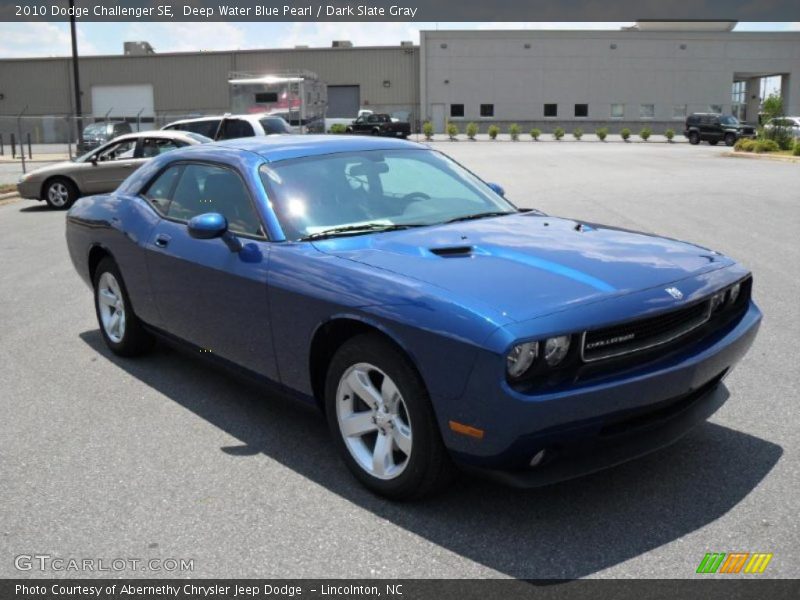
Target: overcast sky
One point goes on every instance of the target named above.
(52, 39)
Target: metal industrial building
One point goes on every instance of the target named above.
(653, 73)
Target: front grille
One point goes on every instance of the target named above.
(642, 334)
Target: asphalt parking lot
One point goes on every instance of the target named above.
(161, 457)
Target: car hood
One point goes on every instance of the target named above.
(529, 265)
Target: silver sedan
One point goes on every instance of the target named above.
(102, 169)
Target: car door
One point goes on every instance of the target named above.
(207, 295)
(111, 165)
(359, 124)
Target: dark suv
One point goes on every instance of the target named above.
(714, 127)
(97, 134)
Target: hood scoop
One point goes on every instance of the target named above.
(453, 251)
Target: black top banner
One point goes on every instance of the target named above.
(400, 10)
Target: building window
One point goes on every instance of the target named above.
(679, 111)
(617, 111)
(456, 110)
(715, 108)
(487, 110)
(581, 110)
(551, 110)
(647, 111)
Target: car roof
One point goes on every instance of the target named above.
(248, 116)
(275, 148)
(161, 133)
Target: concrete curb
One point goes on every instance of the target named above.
(763, 156)
(9, 198)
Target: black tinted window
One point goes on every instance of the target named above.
(208, 188)
(159, 192)
(206, 128)
(236, 128)
(154, 146)
(275, 126)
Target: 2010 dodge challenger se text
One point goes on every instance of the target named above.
(434, 323)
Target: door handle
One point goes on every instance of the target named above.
(162, 240)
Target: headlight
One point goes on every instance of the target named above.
(555, 349)
(716, 301)
(520, 359)
(23, 177)
(734, 292)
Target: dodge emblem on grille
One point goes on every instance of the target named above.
(674, 292)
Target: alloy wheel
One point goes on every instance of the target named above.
(111, 306)
(374, 421)
(58, 194)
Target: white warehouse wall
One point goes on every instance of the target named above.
(665, 69)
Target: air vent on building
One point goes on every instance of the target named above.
(527, 46)
(342, 44)
(442, 46)
(407, 44)
(301, 46)
(613, 46)
(683, 46)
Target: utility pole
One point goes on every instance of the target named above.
(75, 73)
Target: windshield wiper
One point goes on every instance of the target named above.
(358, 229)
(496, 213)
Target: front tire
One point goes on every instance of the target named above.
(694, 138)
(122, 331)
(730, 139)
(60, 193)
(382, 421)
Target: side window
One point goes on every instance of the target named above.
(159, 192)
(236, 128)
(120, 151)
(373, 119)
(209, 188)
(154, 146)
(206, 128)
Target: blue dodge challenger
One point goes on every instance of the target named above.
(434, 323)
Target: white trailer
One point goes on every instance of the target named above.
(297, 96)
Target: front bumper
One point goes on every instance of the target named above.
(594, 426)
(29, 189)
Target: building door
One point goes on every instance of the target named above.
(437, 115)
(343, 101)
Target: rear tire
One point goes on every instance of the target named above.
(694, 138)
(382, 421)
(60, 193)
(122, 331)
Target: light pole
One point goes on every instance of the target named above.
(75, 73)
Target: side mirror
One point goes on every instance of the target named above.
(497, 189)
(93, 160)
(213, 225)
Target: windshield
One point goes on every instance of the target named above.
(373, 189)
(96, 128)
(729, 120)
(198, 138)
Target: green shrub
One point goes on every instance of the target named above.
(745, 145)
(493, 131)
(796, 149)
(577, 133)
(763, 146)
(427, 130)
(513, 131)
(558, 133)
(338, 128)
(669, 134)
(535, 133)
(625, 133)
(452, 131)
(601, 133)
(645, 133)
(472, 130)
